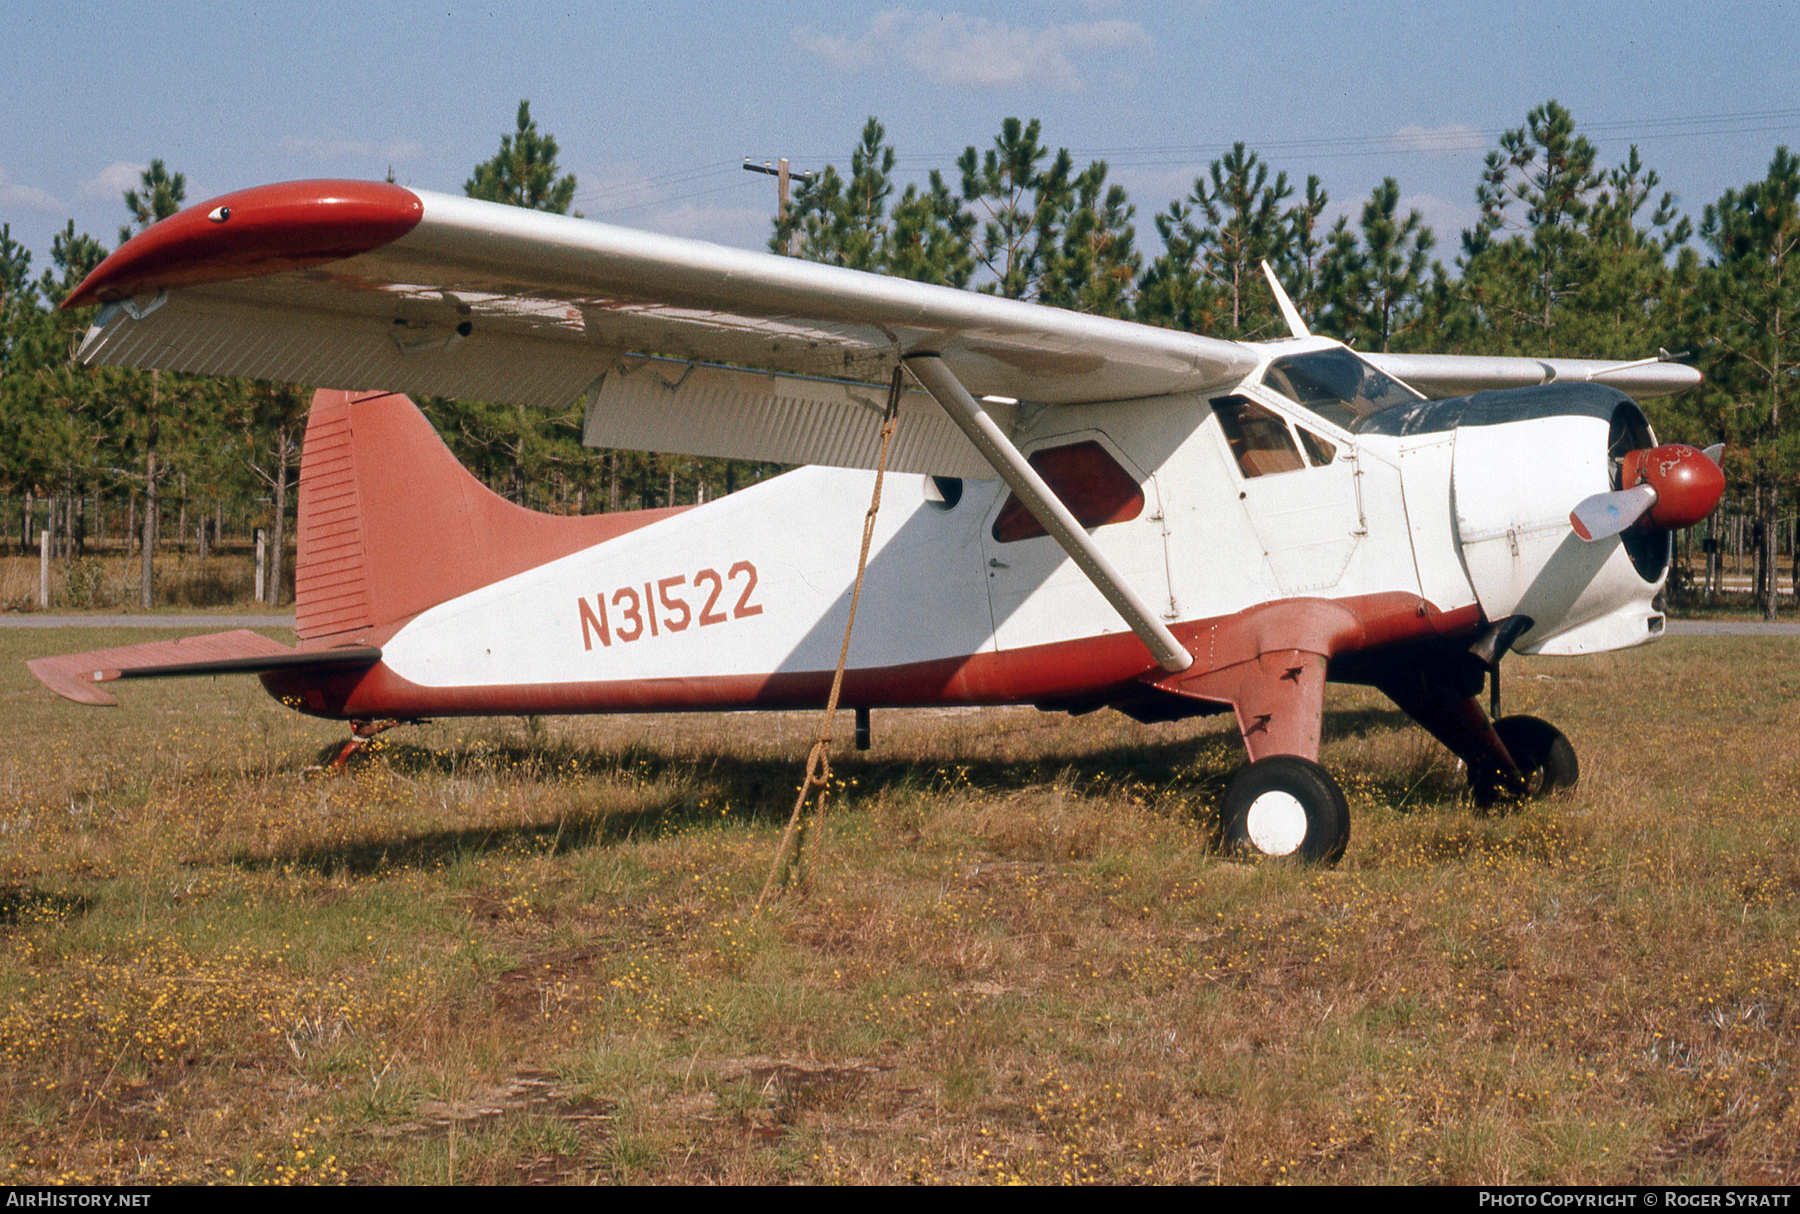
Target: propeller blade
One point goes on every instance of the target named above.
(1607, 514)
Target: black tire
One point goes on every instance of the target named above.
(1285, 807)
(1543, 755)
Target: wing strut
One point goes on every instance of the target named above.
(1044, 505)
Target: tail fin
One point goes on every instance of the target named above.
(391, 524)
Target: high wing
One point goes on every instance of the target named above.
(357, 284)
(354, 285)
(1441, 375)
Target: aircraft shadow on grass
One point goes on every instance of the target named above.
(761, 790)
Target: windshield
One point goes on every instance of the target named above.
(1336, 385)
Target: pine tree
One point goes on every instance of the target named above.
(1370, 286)
(1751, 295)
(163, 194)
(524, 172)
(1025, 200)
(1096, 261)
(931, 236)
(1520, 260)
(74, 258)
(1209, 279)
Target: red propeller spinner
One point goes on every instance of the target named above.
(1671, 487)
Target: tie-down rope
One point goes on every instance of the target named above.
(818, 759)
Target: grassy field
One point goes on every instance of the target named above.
(526, 950)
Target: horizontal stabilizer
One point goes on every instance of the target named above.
(75, 676)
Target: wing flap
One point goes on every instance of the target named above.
(688, 409)
(210, 331)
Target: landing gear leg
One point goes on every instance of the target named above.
(1544, 757)
(1511, 759)
(1283, 804)
(361, 734)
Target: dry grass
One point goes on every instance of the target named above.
(524, 951)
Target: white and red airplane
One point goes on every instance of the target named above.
(1081, 512)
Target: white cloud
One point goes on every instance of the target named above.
(1441, 140)
(973, 52)
(13, 194)
(113, 180)
(336, 147)
(1445, 219)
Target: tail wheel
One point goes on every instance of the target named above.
(1286, 806)
(1543, 755)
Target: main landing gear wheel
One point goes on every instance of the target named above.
(1286, 806)
(1543, 755)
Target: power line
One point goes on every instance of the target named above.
(638, 206)
(1412, 142)
(1443, 141)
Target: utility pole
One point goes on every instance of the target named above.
(783, 175)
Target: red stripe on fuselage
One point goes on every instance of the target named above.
(268, 229)
(1084, 669)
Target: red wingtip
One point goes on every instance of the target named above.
(263, 230)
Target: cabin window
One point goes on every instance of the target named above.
(1318, 450)
(1259, 437)
(1090, 482)
(1337, 385)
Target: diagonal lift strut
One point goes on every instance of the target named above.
(1047, 508)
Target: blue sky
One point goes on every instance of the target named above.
(656, 106)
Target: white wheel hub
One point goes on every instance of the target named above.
(1276, 823)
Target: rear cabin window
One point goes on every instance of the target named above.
(1088, 480)
(1259, 437)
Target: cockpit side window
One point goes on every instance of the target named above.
(1259, 437)
(1336, 385)
(1318, 450)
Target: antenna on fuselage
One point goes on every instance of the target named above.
(1289, 312)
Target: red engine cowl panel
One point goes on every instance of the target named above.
(1688, 484)
(253, 232)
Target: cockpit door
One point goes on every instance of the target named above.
(1299, 488)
